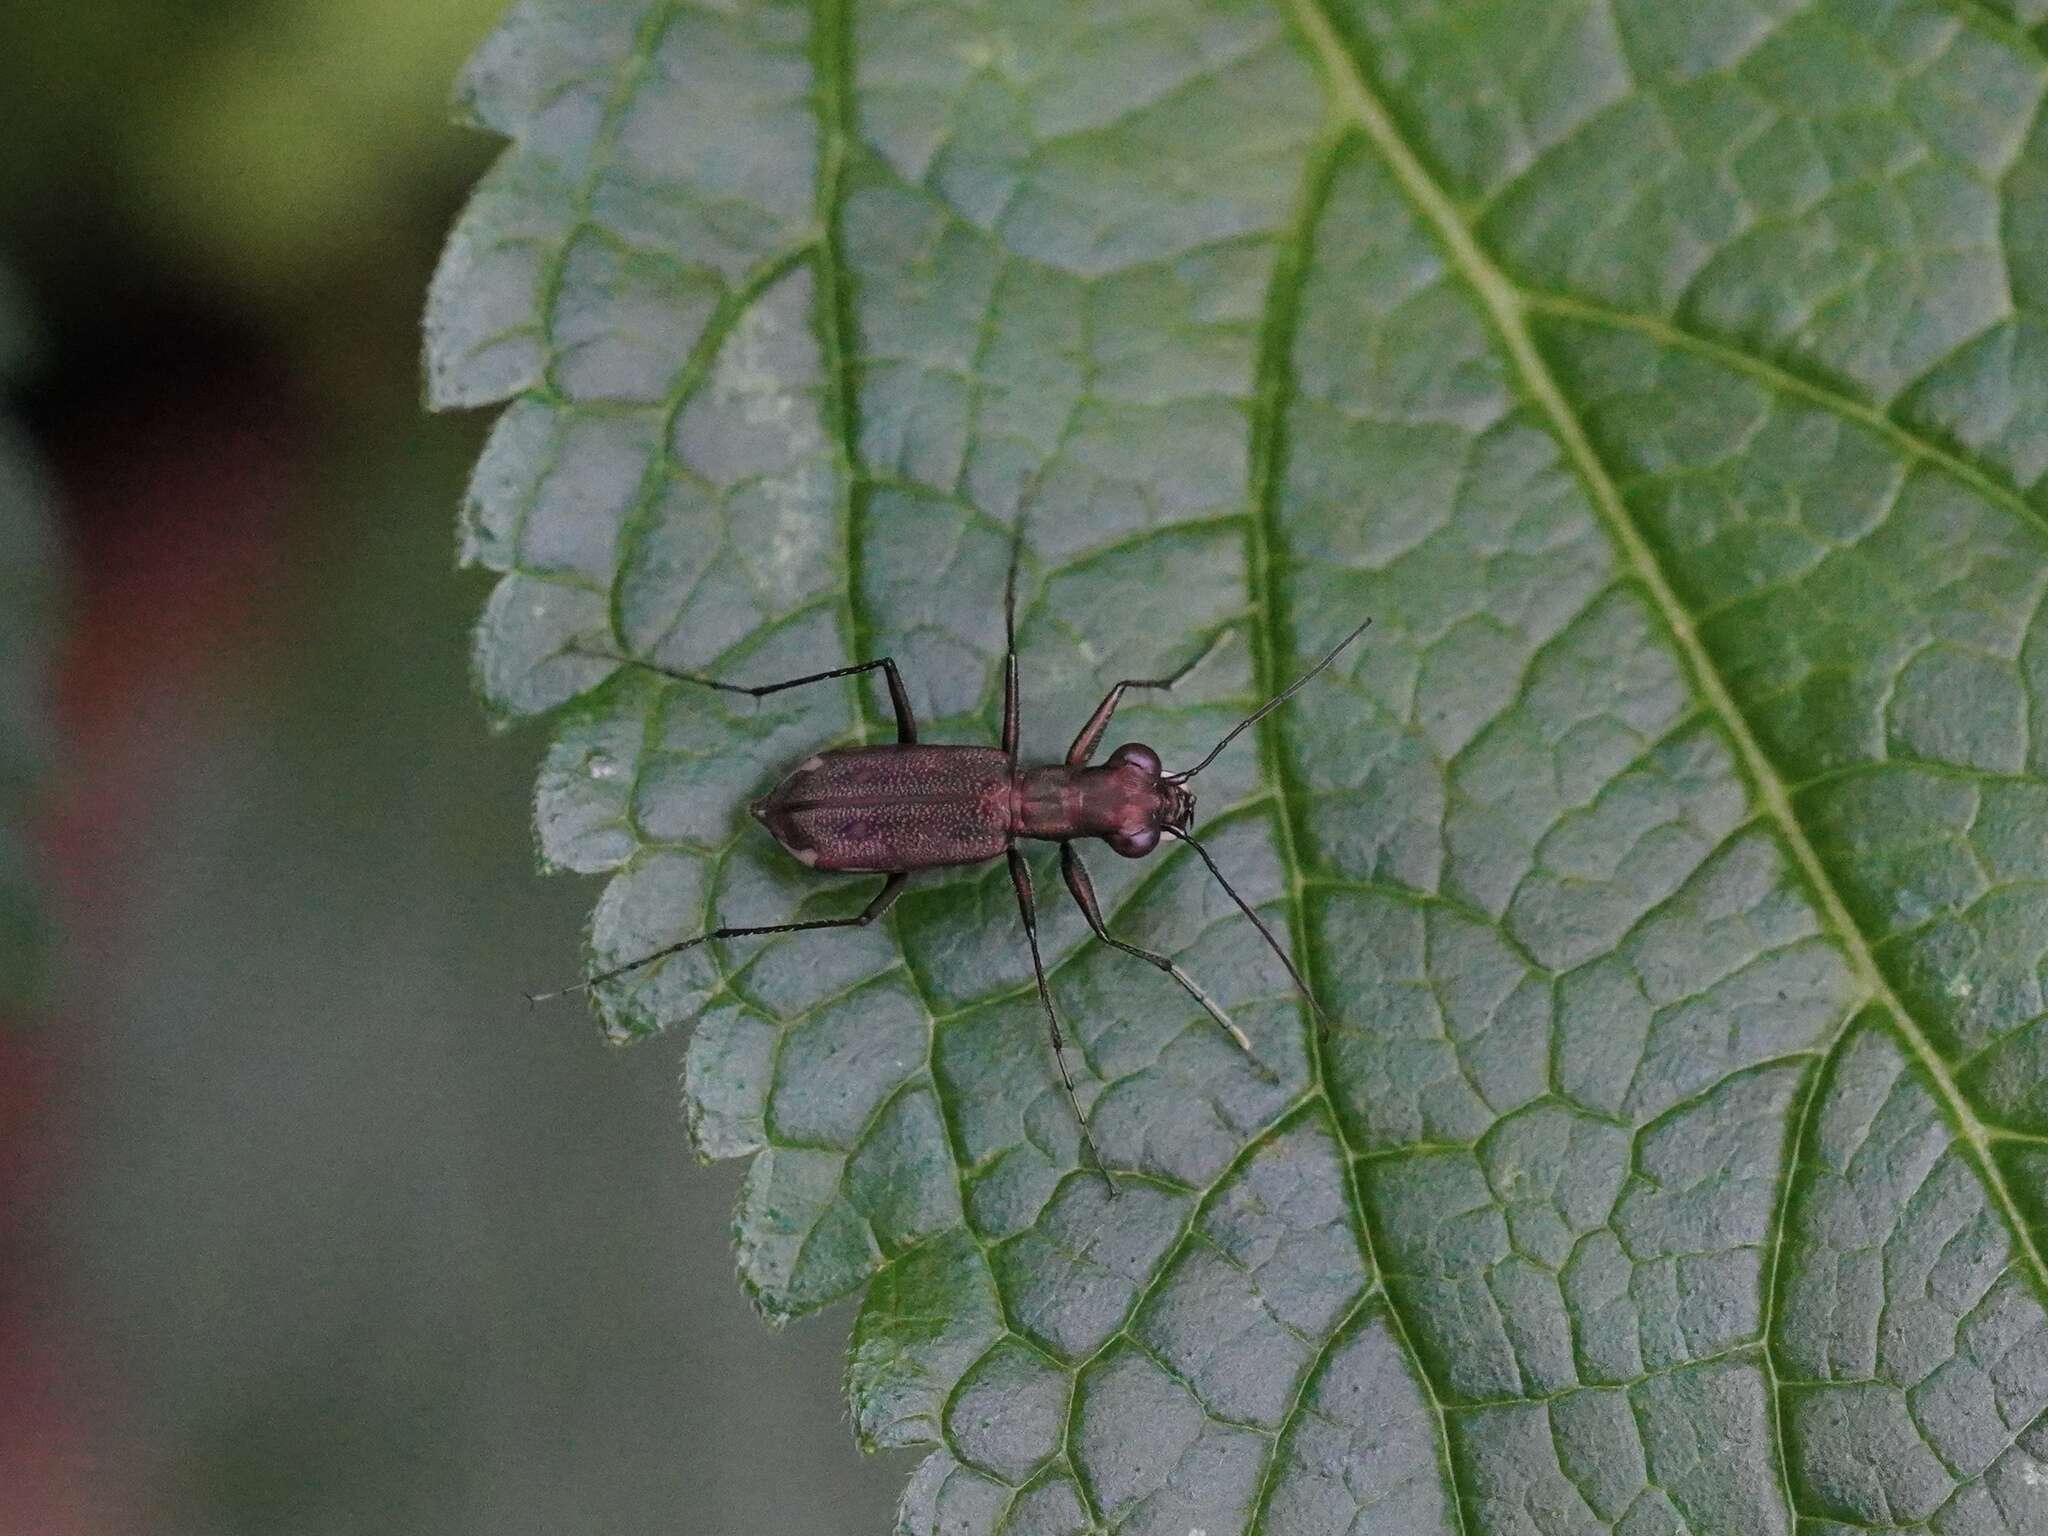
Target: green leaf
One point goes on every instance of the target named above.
(1666, 382)
(28, 565)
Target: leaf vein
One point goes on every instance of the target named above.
(1270, 646)
(1913, 444)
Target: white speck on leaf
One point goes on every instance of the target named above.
(1912, 907)
(994, 52)
(749, 380)
(602, 767)
(2032, 1473)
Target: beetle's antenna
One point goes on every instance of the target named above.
(1245, 907)
(1266, 709)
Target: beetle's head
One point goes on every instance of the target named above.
(1156, 802)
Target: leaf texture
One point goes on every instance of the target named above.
(1667, 384)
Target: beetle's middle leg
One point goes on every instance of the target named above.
(899, 700)
(1083, 891)
(1020, 877)
(885, 898)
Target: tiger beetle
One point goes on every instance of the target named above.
(891, 810)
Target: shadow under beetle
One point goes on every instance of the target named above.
(891, 810)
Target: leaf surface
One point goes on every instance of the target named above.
(1666, 383)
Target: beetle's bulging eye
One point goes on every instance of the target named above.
(1135, 845)
(1137, 755)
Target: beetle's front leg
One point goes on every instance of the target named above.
(1082, 889)
(1090, 738)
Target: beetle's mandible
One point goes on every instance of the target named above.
(892, 810)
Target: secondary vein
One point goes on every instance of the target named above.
(1272, 393)
(1783, 381)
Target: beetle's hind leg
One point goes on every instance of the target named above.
(885, 898)
(1083, 891)
(1020, 877)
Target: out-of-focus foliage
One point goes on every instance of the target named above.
(1666, 380)
(28, 634)
(309, 1224)
(249, 137)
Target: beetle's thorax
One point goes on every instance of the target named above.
(1127, 802)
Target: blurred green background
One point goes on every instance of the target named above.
(308, 1224)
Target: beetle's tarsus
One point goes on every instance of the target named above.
(535, 999)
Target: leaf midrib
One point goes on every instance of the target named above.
(1506, 307)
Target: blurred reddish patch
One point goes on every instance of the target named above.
(171, 482)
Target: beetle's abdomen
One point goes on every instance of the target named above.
(892, 808)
